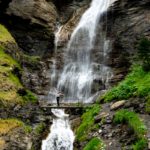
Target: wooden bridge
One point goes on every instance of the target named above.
(73, 109)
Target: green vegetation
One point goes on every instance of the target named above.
(32, 60)
(9, 82)
(87, 122)
(95, 144)
(136, 83)
(39, 129)
(7, 125)
(140, 144)
(148, 104)
(29, 96)
(144, 53)
(132, 119)
(5, 36)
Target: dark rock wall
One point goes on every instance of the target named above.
(128, 21)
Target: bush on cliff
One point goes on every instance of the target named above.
(144, 53)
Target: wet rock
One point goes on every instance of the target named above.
(39, 11)
(99, 117)
(75, 123)
(117, 105)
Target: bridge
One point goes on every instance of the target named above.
(74, 109)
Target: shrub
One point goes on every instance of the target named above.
(144, 53)
(29, 97)
(39, 129)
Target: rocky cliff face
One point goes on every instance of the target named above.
(127, 23)
(33, 24)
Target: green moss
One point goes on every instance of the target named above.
(39, 129)
(95, 144)
(5, 36)
(132, 119)
(7, 125)
(10, 83)
(87, 122)
(137, 83)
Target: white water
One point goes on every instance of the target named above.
(78, 75)
(61, 136)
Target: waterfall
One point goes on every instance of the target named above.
(78, 73)
(61, 136)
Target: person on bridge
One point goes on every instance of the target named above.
(58, 96)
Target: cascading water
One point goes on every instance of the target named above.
(61, 136)
(78, 73)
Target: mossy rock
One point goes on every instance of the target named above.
(5, 36)
(10, 70)
(7, 125)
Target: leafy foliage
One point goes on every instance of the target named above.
(144, 53)
(87, 122)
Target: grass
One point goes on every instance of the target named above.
(134, 122)
(95, 144)
(7, 125)
(5, 36)
(136, 83)
(140, 144)
(87, 122)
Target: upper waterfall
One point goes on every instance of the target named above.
(78, 73)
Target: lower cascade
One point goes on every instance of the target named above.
(61, 136)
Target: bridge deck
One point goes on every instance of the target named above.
(62, 107)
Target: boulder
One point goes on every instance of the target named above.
(117, 105)
(99, 117)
